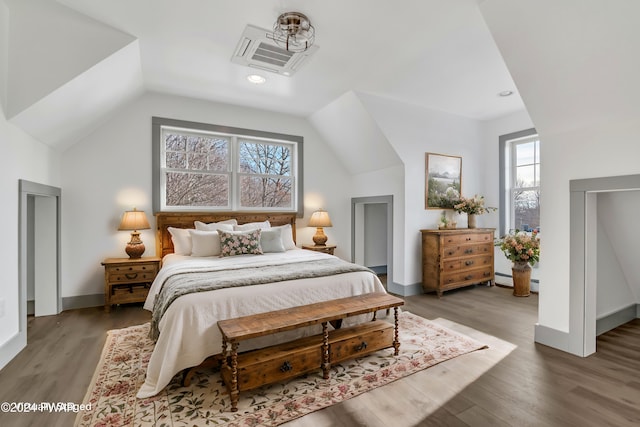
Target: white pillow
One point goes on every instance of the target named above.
(287, 236)
(205, 243)
(181, 240)
(271, 240)
(252, 226)
(226, 225)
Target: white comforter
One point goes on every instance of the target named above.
(189, 331)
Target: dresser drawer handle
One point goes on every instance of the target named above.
(131, 276)
(362, 346)
(468, 251)
(468, 263)
(468, 239)
(451, 252)
(486, 274)
(469, 277)
(286, 366)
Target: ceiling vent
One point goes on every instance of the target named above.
(257, 49)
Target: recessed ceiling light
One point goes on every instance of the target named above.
(256, 79)
(505, 93)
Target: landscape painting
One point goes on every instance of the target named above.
(443, 180)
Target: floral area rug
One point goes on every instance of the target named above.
(121, 372)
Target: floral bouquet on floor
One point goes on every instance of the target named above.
(521, 246)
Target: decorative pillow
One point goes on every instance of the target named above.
(226, 225)
(271, 240)
(181, 240)
(252, 226)
(239, 243)
(204, 243)
(287, 236)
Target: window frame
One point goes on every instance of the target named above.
(507, 162)
(234, 135)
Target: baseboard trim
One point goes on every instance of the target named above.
(611, 321)
(552, 337)
(82, 301)
(405, 291)
(11, 348)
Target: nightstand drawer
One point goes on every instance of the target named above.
(132, 277)
(122, 294)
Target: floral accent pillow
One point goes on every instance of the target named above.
(234, 243)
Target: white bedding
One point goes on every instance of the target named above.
(189, 331)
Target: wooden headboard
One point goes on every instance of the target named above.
(164, 245)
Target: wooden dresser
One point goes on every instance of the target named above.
(455, 258)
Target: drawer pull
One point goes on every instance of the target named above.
(468, 263)
(469, 277)
(362, 346)
(486, 273)
(286, 366)
(131, 276)
(468, 239)
(451, 252)
(468, 251)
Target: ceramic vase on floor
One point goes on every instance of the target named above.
(471, 221)
(521, 273)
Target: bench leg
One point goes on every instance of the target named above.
(326, 365)
(396, 339)
(235, 393)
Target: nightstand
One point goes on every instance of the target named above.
(128, 280)
(327, 249)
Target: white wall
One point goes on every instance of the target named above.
(23, 158)
(412, 132)
(110, 171)
(618, 270)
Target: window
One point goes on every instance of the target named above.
(207, 167)
(520, 181)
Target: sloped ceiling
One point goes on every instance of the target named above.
(433, 53)
(576, 61)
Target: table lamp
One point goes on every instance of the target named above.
(319, 219)
(134, 220)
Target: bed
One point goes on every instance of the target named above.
(187, 331)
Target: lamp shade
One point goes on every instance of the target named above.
(134, 220)
(320, 218)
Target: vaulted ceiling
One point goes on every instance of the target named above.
(71, 63)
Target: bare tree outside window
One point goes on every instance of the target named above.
(265, 175)
(203, 166)
(197, 170)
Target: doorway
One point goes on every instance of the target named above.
(39, 258)
(584, 256)
(372, 234)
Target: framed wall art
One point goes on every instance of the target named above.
(443, 180)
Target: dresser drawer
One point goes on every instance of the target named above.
(467, 250)
(458, 239)
(360, 340)
(471, 276)
(279, 362)
(467, 263)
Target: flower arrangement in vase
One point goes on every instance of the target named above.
(523, 249)
(472, 206)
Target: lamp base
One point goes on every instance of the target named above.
(320, 239)
(135, 248)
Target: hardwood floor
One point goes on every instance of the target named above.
(513, 383)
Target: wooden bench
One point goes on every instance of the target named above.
(255, 368)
